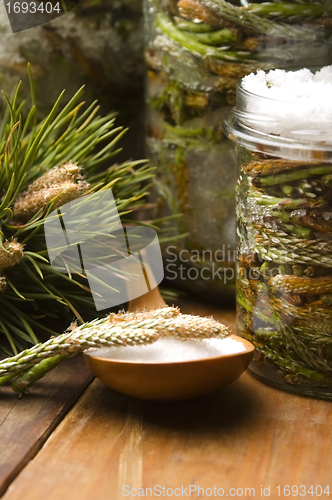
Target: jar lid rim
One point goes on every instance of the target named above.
(248, 125)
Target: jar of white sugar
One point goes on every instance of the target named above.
(282, 125)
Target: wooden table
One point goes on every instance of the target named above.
(72, 438)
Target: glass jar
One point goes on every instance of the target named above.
(284, 240)
(196, 52)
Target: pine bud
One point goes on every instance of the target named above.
(3, 283)
(63, 184)
(9, 256)
(69, 172)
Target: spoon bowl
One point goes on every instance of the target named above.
(170, 381)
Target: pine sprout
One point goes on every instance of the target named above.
(114, 330)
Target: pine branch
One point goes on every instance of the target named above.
(42, 166)
(123, 329)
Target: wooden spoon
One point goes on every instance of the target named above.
(169, 381)
(148, 301)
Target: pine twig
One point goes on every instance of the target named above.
(289, 11)
(189, 42)
(259, 24)
(114, 330)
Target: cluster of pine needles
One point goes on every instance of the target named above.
(44, 164)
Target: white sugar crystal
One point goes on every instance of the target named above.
(168, 350)
(295, 103)
(291, 86)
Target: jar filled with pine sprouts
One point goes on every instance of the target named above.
(282, 125)
(196, 52)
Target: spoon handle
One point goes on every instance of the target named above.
(148, 301)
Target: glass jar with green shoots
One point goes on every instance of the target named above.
(196, 52)
(282, 125)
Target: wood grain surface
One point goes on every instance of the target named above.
(26, 423)
(247, 435)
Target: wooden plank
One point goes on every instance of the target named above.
(26, 422)
(247, 435)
